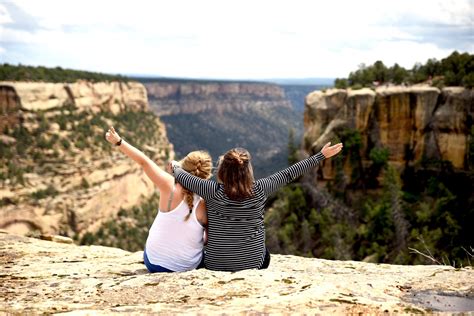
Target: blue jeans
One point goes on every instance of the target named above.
(153, 267)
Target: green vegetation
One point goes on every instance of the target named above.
(292, 147)
(30, 73)
(455, 70)
(41, 194)
(429, 207)
(41, 149)
(129, 230)
(263, 132)
(38, 150)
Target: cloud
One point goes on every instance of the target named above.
(245, 39)
(4, 15)
(16, 18)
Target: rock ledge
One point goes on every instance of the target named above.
(46, 277)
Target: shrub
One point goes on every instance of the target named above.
(379, 156)
(85, 184)
(41, 194)
(65, 143)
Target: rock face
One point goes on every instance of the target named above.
(43, 96)
(46, 277)
(413, 123)
(189, 98)
(110, 96)
(60, 176)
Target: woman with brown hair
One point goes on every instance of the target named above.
(176, 239)
(236, 207)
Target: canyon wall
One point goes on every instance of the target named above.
(58, 174)
(84, 95)
(413, 123)
(175, 98)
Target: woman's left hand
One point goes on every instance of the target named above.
(329, 151)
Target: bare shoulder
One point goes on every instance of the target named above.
(201, 212)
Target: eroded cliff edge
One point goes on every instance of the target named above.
(190, 98)
(58, 174)
(413, 123)
(47, 277)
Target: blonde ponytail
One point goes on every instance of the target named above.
(189, 198)
(199, 164)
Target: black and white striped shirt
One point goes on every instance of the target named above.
(236, 231)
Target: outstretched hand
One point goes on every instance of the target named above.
(329, 151)
(112, 136)
(173, 164)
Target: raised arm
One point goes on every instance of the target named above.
(160, 178)
(277, 180)
(203, 188)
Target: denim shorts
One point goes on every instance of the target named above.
(153, 267)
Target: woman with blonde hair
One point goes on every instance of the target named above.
(176, 239)
(236, 207)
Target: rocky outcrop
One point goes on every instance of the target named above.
(9, 107)
(43, 96)
(175, 98)
(47, 277)
(74, 208)
(107, 96)
(58, 174)
(413, 123)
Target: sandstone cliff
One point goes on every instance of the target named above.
(58, 175)
(46, 277)
(179, 98)
(413, 123)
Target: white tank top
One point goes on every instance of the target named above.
(174, 243)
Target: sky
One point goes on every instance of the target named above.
(245, 39)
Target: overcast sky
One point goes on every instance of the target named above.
(252, 39)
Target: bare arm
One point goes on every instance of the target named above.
(160, 177)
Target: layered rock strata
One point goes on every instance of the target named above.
(413, 123)
(190, 98)
(109, 96)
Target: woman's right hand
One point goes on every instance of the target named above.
(112, 136)
(329, 151)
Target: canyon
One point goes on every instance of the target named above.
(217, 116)
(59, 175)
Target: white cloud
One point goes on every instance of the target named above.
(244, 39)
(4, 16)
